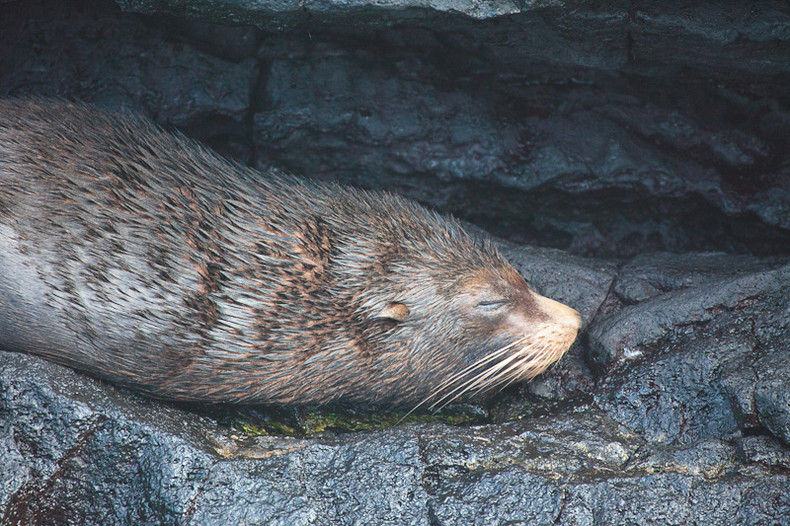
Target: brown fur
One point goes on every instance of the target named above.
(141, 257)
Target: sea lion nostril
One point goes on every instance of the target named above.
(559, 313)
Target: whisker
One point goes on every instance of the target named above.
(515, 371)
(538, 359)
(492, 376)
(512, 370)
(469, 384)
(476, 365)
(455, 377)
(488, 358)
(492, 370)
(506, 371)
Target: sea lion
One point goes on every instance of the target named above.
(140, 257)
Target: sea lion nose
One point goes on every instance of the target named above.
(561, 314)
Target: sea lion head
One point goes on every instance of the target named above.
(450, 317)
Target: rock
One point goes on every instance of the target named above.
(631, 332)
(100, 456)
(555, 124)
(92, 455)
(578, 155)
(79, 451)
(677, 399)
(124, 63)
(282, 14)
(772, 396)
(649, 275)
(764, 450)
(363, 116)
(698, 368)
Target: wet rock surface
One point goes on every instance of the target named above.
(559, 125)
(633, 156)
(77, 451)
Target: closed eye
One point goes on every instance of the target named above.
(491, 305)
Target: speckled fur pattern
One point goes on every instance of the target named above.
(141, 257)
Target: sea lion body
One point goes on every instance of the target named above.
(142, 258)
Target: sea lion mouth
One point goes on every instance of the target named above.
(534, 349)
(550, 340)
(545, 348)
(530, 354)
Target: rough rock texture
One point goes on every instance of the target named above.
(642, 146)
(606, 129)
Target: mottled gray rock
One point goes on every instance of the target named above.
(553, 123)
(764, 450)
(362, 115)
(679, 34)
(772, 395)
(281, 14)
(80, 451)
(597, 163)
(234, 43)
(86, 51)
(652, 274)
(676, 399)
(94, 455)
(708, 359)
(674, 499)
(631, 332)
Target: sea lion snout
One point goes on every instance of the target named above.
(559, 313)
(542, 331)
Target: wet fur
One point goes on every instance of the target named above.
(142, 258)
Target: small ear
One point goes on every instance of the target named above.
(394, 311)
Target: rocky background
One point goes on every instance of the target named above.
(634, 158)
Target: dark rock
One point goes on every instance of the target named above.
(579, 156)
(86, 51)
(699, 370)
(230, 42)
(126, 460)
(772, 396)
(631, 332)
(764, 450)
(80, 451)
(652, 274)
(674, 499)
(677, 399)
(121, 459)
(551, 124)
(680, 34)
